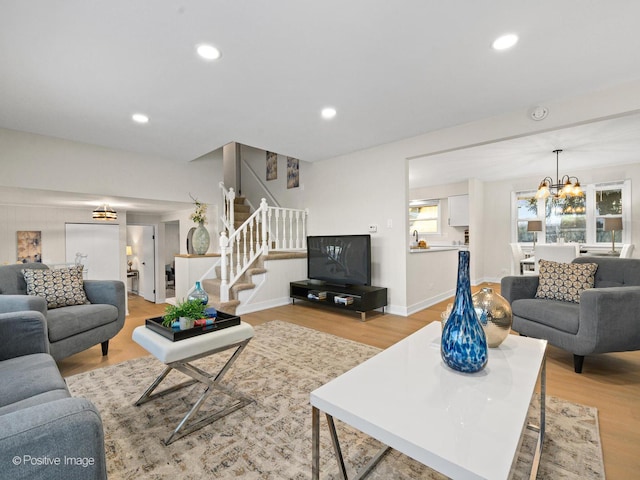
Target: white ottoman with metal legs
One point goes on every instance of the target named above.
(177, 355)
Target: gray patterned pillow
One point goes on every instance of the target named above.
(60, 287)
(565, 281)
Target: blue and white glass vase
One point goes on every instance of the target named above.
(198, 293)
(464, 344)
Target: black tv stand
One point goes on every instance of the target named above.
(358, 298)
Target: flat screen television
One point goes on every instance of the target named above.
(339, 259)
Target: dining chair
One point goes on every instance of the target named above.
(627, 250)
(562, 253)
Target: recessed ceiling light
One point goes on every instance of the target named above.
(208, 52)
(505, 41)
(140, 118)
(328, 112)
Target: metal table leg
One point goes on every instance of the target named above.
(198, 376)
(540, 428)
(315, 446)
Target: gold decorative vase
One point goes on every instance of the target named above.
(494, 313)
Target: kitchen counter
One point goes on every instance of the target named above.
(441, 248)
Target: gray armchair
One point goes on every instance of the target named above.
(71, 329)
(607, 319)
(44, 432)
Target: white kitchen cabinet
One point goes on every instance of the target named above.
(459, 211)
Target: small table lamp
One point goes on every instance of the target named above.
(613, 225)
(534, 226)
(129, 253)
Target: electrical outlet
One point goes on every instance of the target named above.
(373, 228)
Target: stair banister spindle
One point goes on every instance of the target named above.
(252, 240)
(277, 228)
(291, 229)
(232, 214)
(238, 264)
(245, 231)
(224, 279)
(264, 213)
(297, 245)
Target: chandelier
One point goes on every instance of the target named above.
(105, 212)
(563, 188)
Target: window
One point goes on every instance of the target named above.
(575, 219)
(609, 203)
(424, 216)
(565, 218)
(527, 209)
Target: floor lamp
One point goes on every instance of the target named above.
(534, 226)
(613, 225)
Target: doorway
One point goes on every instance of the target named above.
(141, 238)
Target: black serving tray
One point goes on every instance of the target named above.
(223, 320)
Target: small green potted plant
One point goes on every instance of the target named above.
(185, 312)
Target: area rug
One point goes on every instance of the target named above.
(271, 438)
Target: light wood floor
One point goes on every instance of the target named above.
(610, 382)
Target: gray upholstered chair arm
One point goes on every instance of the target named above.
(111, 292)
(68, 429)
(20, 303)
(22, 333)
(610, 319)
(518, 287)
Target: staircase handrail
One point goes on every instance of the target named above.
(231, 245)
(266, 230)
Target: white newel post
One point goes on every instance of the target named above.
(224, 278)
(265, 241)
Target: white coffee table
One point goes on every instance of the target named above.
(466, 426)
(177, 355)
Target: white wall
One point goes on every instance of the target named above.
(39, 162)
(252, 189)
(347, 194)
(51, 222)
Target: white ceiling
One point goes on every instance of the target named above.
(78, 69)
(595, 145)
(48, 198)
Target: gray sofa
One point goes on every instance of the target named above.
(71, 329)
(607, 319)
(44, 432)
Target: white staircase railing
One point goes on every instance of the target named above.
(267, 229)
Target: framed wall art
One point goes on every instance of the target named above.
(29, 246)
(293, 172)
(272, 166)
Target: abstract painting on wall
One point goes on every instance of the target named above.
(293, 172)
(272, 166)
(29, 247)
